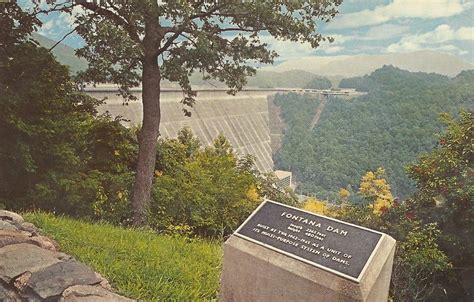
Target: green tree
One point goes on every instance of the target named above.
(56, 153)
(318, 83)
(267, 187)
(133, 42)
(419, 264)
(445, 188)
(208, 190)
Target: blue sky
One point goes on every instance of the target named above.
(365, 27)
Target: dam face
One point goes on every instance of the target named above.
(243, 119)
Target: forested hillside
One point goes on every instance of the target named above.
(389, 128)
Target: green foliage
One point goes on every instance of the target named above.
(465, 77)
(206, 189)
(393, 79)
(266, 186)
(56, 153)
(15, 27)
(419, 262)
(318, 83)
(445, 187)
(138, 263)
(365, 83)
(388, 128)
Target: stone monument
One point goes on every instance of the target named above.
(281, 253)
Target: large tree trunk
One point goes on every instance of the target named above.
(147, 139)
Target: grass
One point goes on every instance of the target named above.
(138, 263)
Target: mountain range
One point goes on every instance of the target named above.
(64, 54)
(299, 72)
(350, 66)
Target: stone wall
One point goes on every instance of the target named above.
(33, 269)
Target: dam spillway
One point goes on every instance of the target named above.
(243, 118)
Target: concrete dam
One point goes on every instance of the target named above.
(249, 120)
(243, 119)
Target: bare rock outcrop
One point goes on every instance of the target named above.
(33, 269)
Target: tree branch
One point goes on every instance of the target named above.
(177, 31)
(62, 39)
(117, 19)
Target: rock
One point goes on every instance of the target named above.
(26, 234)
(16, 259)
(8, 294)
(21, 280)
(7, 226)
(51, 281)
(11, 237)
(10, 216)
(44, 242)
(29, 227)
(31, 269)
(104, 282)
(87, 293)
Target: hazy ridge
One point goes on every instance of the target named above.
(300, 72)
(64, 54)
(349, 66)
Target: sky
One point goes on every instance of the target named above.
(363, 27)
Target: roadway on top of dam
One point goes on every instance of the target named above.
(167, 90)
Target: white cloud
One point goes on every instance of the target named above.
(48, 25)
(440, 34)
(425, 9)
(385, 31)
(340, 39)
(333, 49)
(409, 47)
(452, 49)
(290, 50)
(444, 33)
(436, 39)
(465, 33)
(403, 46)
(76, 11)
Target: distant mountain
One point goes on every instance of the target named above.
(264, 79)
(351, 66)
(301, 72)
(271, 79)
(388, 76)
(63, 53)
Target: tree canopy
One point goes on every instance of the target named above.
(445, 187)
(389, 127)
(56, 152)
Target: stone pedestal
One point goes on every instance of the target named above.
(253, 272)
